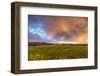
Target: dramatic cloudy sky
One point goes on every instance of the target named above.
(57, 29)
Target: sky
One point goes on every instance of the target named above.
(43, 28)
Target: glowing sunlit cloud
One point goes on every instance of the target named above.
(82, 38)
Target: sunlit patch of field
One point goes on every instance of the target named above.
(57, 51)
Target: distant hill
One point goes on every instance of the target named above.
(38, 43)
(45, 43)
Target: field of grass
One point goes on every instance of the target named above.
(51, 52)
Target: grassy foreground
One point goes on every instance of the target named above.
(51, 52)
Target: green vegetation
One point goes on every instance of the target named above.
(57, 51)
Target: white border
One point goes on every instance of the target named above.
(25, 64)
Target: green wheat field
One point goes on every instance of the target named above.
(57, 51)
